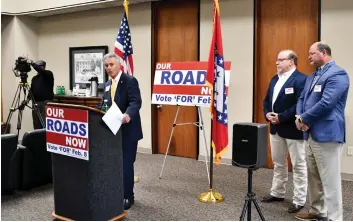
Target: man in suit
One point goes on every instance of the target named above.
(320, 114)
(124, 90)
(279, 109)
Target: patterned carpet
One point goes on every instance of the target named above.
(174, 197)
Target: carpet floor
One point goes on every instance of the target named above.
(175, 196)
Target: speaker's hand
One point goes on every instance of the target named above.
(304, 127)
(300, 125)
(275, 119)
(126, 118)
(269, 116)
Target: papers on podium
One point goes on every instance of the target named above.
(113, 118)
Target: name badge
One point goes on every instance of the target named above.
(107, 88)
(289, 90)
(317, 88)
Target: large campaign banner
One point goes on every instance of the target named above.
(183, 83)
(67, 132)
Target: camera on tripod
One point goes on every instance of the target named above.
(22, 67)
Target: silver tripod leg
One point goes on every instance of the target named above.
(201, 126)
(170, 138)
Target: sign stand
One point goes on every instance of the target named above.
(200, 126)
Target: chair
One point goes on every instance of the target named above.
(36, 161)
(10, 163)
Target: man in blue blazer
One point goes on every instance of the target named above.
(280, 109)
(125, 91)
(320, 114)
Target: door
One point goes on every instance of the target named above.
(281, 24)
(175, 38)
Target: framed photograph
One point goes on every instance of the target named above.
(85, 63)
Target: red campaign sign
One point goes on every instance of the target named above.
(183, 83)
(67, 131)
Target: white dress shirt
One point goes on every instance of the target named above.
(282, 78)
(117, 78)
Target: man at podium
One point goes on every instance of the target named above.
(124, 90)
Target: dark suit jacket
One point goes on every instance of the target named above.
(128, 99)
(285, 105)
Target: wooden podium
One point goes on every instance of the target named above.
(78, 100)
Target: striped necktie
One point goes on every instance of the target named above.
(113, 89)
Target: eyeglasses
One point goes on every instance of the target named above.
(281, 60)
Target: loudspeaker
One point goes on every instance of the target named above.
(249, 145)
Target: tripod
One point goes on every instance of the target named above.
(17, 105)
(251, 197)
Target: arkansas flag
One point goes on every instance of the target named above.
(215, 79)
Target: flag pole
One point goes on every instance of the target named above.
(126, 7)
(211, 196)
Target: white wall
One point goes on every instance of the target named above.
(336, 23)
(237, 30)
(45, 4)
(21, 6)
(19, 38)
(7, 56)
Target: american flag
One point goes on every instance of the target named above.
(123, 46)
(216, 80)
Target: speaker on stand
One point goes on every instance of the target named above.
(250, 151)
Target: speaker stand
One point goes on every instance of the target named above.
(251, 197)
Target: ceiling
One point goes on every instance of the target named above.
(75, 8)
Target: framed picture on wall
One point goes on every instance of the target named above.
(87, 62)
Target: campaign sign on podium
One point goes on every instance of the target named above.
(67, 131)
(184, 83)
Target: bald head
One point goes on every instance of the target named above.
(319, 54)
(286, 60)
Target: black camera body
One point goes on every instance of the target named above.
(22, 65)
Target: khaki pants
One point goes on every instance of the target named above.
(324, 178)
(279, 152)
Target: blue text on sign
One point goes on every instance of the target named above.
(178, 77)
(63, 126)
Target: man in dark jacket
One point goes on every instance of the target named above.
(124, 90)
(42, 87)
(280, 109)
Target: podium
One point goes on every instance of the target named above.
(78, 100)
(87, 189)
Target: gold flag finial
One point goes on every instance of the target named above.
(126, 6)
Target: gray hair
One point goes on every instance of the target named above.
(111, 55)
(292, 55)
(324, 47)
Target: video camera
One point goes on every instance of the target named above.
(22, 67)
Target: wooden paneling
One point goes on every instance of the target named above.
(175, 39)
(281, 24)
(79, 100)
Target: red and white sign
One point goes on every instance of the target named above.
(67, 131)
(183, 83)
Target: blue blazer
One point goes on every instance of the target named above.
(128, 99)
(322, 106)
(285, 105)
